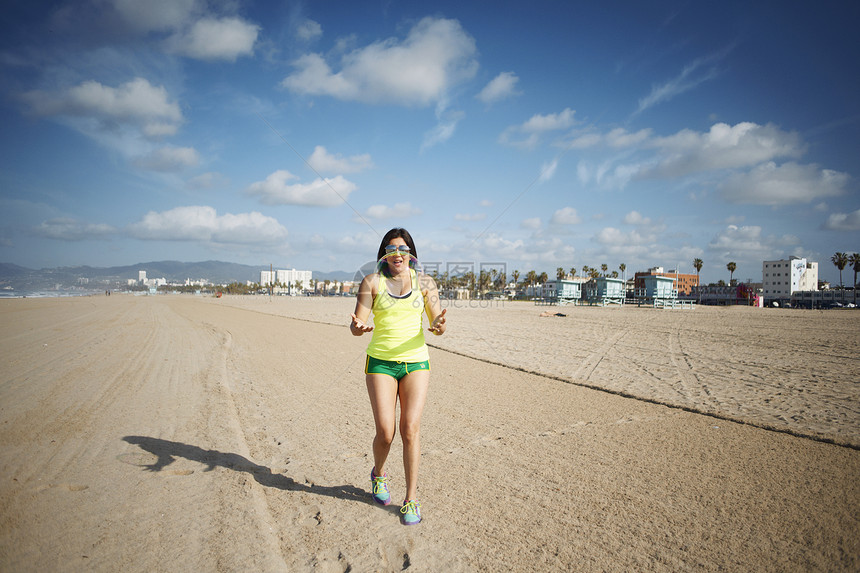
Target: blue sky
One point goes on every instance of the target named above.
(539, 134)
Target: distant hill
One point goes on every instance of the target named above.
(22, 279)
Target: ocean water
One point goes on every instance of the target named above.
(47, 294)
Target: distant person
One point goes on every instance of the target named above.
(398, 363)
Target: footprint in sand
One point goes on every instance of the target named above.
(178, 472)
(74, 487)
(65, 486)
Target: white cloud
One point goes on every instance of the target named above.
(436, 55)
(530, 223)
(398, 211)
(583, 172)
(137, 103)
(769, 184)
(497, 247)
(470, 216)
(699, 71)
(566, 216)
(748, 244)
(501, 87)
(169, 159)
(636, 218)
(723, 147)
(547, 171)
(444, 129)
(319, 193)
(843, 221)
(309, 30)
(324, 162)
(154, 15)
(68, 229)
(646, 228)
(207, 180)
(547, 252)
(203, 224)
(216, 39)
(586, 140)
(617, 138)
(612, 237)
(554, 121)
(622, 138)
(527, 135)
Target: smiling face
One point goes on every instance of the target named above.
(398, 261)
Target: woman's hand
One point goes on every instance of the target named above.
(357, 327)
(437, 327)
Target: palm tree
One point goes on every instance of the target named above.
(483, 283)
(469, 281)
(531, 276)
(697, 264)
(854, 259)
(573, 272)
(622, 267)
(516, 276)
(559, 273)
(841, 261)
(585, 270)
(731, 266)
(604, 267)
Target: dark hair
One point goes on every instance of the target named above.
(393, 234)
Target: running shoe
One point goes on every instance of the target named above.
(379, 488)
(411, 511)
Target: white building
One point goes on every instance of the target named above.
(783, 277)
(141, 277)
(294, 280)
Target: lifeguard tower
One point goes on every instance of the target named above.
(660, 292)
(560, 292)
(605, 290)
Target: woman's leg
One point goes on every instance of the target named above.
(413, 393)
(382, 390)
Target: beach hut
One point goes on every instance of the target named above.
(659, 292)
(605, 290)
(560, 292)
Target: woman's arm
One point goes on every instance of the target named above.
(433, 305)
(363, 303)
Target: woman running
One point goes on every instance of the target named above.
(398, 364)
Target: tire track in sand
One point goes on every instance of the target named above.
(274, 558)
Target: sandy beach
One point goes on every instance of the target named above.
(158, 433)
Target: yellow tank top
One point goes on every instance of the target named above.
(397, 332)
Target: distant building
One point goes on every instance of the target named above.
(683, 283)
(141, 277)
(291, 279)
(783, 277)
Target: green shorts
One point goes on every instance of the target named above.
(395, 369)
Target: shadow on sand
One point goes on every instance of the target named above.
(166, 453)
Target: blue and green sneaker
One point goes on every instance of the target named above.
(379, 488)
(411, 512)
